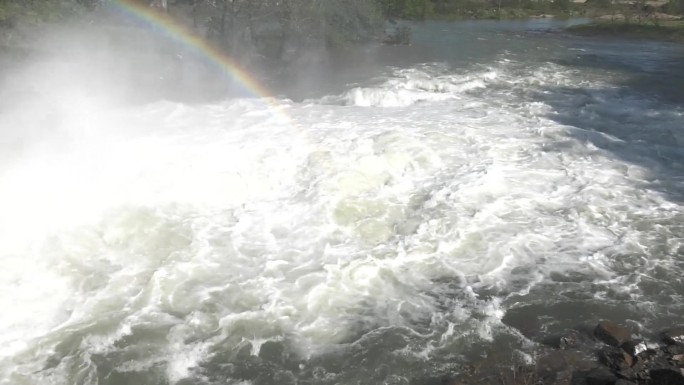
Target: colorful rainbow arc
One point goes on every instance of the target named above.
(181, 34)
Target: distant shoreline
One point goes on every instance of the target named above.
(671, 31)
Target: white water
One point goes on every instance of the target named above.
(161, 241)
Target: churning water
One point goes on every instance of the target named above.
(461, 199)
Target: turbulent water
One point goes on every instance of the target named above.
(439, 204)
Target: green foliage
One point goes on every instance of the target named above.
(401, 35)
(561, 5)
(36, 11)
(676, 7)
(601, 4)
(348, 21)
(474, 9)
(665, 30)
(407, 9)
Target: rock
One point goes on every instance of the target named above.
(631, 375)
(561, 341)
(622, 381)
(674, 336)
(615, 358)
(678, 359)
(674, 350)
(666, 376)
(658, 361)
(600, 376)
(612, 333)
(639, 370)
(634, 348)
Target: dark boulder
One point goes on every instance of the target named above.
(612, 333)
(615, 358)
(639, 370)
(600, 376)
(674, 350)
(678, 359)
(674, 336)
(667, 376)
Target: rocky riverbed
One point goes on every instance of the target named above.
(607, 354)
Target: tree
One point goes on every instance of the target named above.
(407, 9)
(676, 6)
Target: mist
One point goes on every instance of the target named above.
(398, 214)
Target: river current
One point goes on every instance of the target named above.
(390, 222)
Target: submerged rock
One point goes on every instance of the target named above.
(562, 360)
(561, 341)
(612, 333)
(674, 336)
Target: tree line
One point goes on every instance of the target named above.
(270, 27)
(276, 26)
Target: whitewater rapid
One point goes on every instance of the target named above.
(359, 237)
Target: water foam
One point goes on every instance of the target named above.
(408, 86)
(171, 238)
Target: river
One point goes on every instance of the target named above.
(394, 219)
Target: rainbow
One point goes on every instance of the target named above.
(176, 31)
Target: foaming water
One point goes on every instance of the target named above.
(408, 86)
(386, 234)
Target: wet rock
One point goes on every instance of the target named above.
(634, 348)
(630, 374)
(678, 359)
(674, 336)
(638, 372)
(561, 341)
(615, 358)
(657, 362)
(612, 333)
(666, 376)
(600, 376)
(674, 349)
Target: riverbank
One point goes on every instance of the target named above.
(505, 14)
(664, 30)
